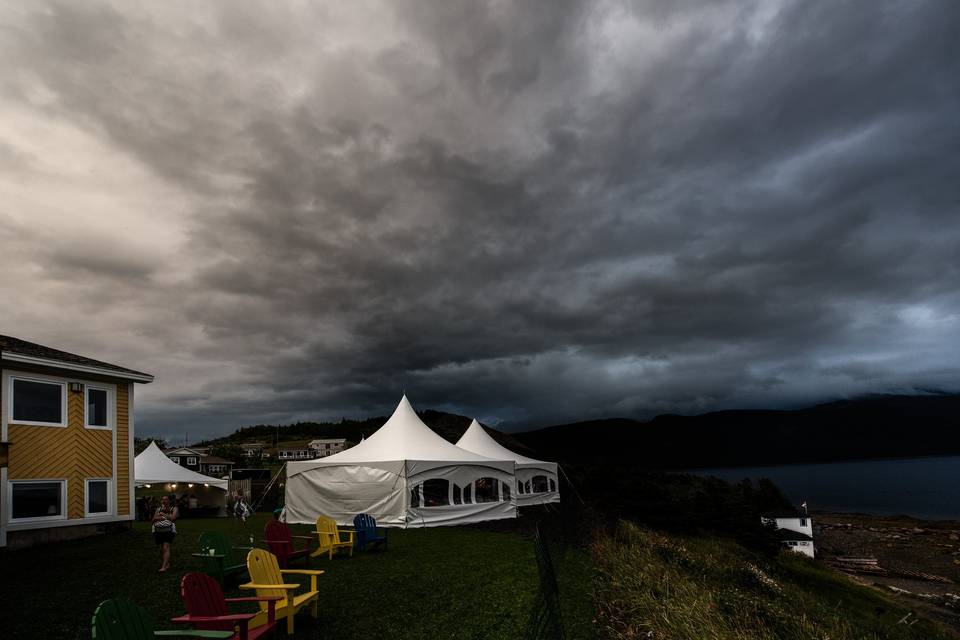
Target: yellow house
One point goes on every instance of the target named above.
(66, 458)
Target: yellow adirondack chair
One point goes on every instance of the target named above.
(331, 537)
(266, 577)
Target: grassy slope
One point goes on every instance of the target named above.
(450, 582)
(654, 586)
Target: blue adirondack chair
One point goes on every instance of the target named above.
(367, 534)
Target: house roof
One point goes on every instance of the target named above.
(787, 534)
(182, 451)
(19, 350)
(785, 513)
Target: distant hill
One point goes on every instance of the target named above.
(870, 427)
(448, 425)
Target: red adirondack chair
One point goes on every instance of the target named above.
(277, 536)
(207, 608)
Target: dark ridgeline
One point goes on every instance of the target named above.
(870, 427)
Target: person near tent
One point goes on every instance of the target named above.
(164, 530)
(240, 508)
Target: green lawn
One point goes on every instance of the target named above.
(450, 582)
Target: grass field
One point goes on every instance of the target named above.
(451, 582)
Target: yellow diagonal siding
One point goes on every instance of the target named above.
(74, 453)
(123, 444)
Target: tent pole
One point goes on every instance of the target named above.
(570, 482)
(266, 490)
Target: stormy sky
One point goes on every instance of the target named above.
(529, 212)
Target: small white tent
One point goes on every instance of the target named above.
(152, 466)
(537, 481)
(404, 475)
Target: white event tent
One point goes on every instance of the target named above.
(537, 481)
(404, 475)
(153, 466)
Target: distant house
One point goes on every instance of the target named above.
(327, 447)
(216, 467)
(793, 528)
(197, 459)
(297, 453)
(254, 449)
(66, 449)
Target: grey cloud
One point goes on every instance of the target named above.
(532, 212)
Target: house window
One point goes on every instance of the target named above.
(98, 497)
(38, 500)
(803, 522)
(36, 402)
(191, 461)
(97, 414)
(175, 459)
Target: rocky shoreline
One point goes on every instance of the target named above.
(917, 561)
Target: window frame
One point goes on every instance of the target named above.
(38, 519)
(111, 407)
(41, 380)
(86, 498)
(175, 459)
(191, 464)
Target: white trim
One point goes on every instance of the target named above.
(20, 525)
(38, 519)
(86, 499)
(42, 379)
(111, 391)
(59, 364)
(131, 507)
(191, 464)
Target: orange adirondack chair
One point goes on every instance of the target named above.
(331, 537)
(266, 577)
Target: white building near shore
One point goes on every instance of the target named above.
(794, 528)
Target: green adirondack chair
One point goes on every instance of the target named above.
(223, 562)
(121, 619)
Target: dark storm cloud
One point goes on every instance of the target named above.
(530, 213)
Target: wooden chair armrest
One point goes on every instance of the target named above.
(194, 633)
(252, 585)
(255, 599)
(236, 617)
(304, 537)
(306, 572)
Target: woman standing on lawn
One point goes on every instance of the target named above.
(164, 529)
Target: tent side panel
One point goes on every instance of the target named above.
(342, 492)
(526, 473)
(460, 514)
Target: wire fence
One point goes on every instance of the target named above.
(545, 622)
